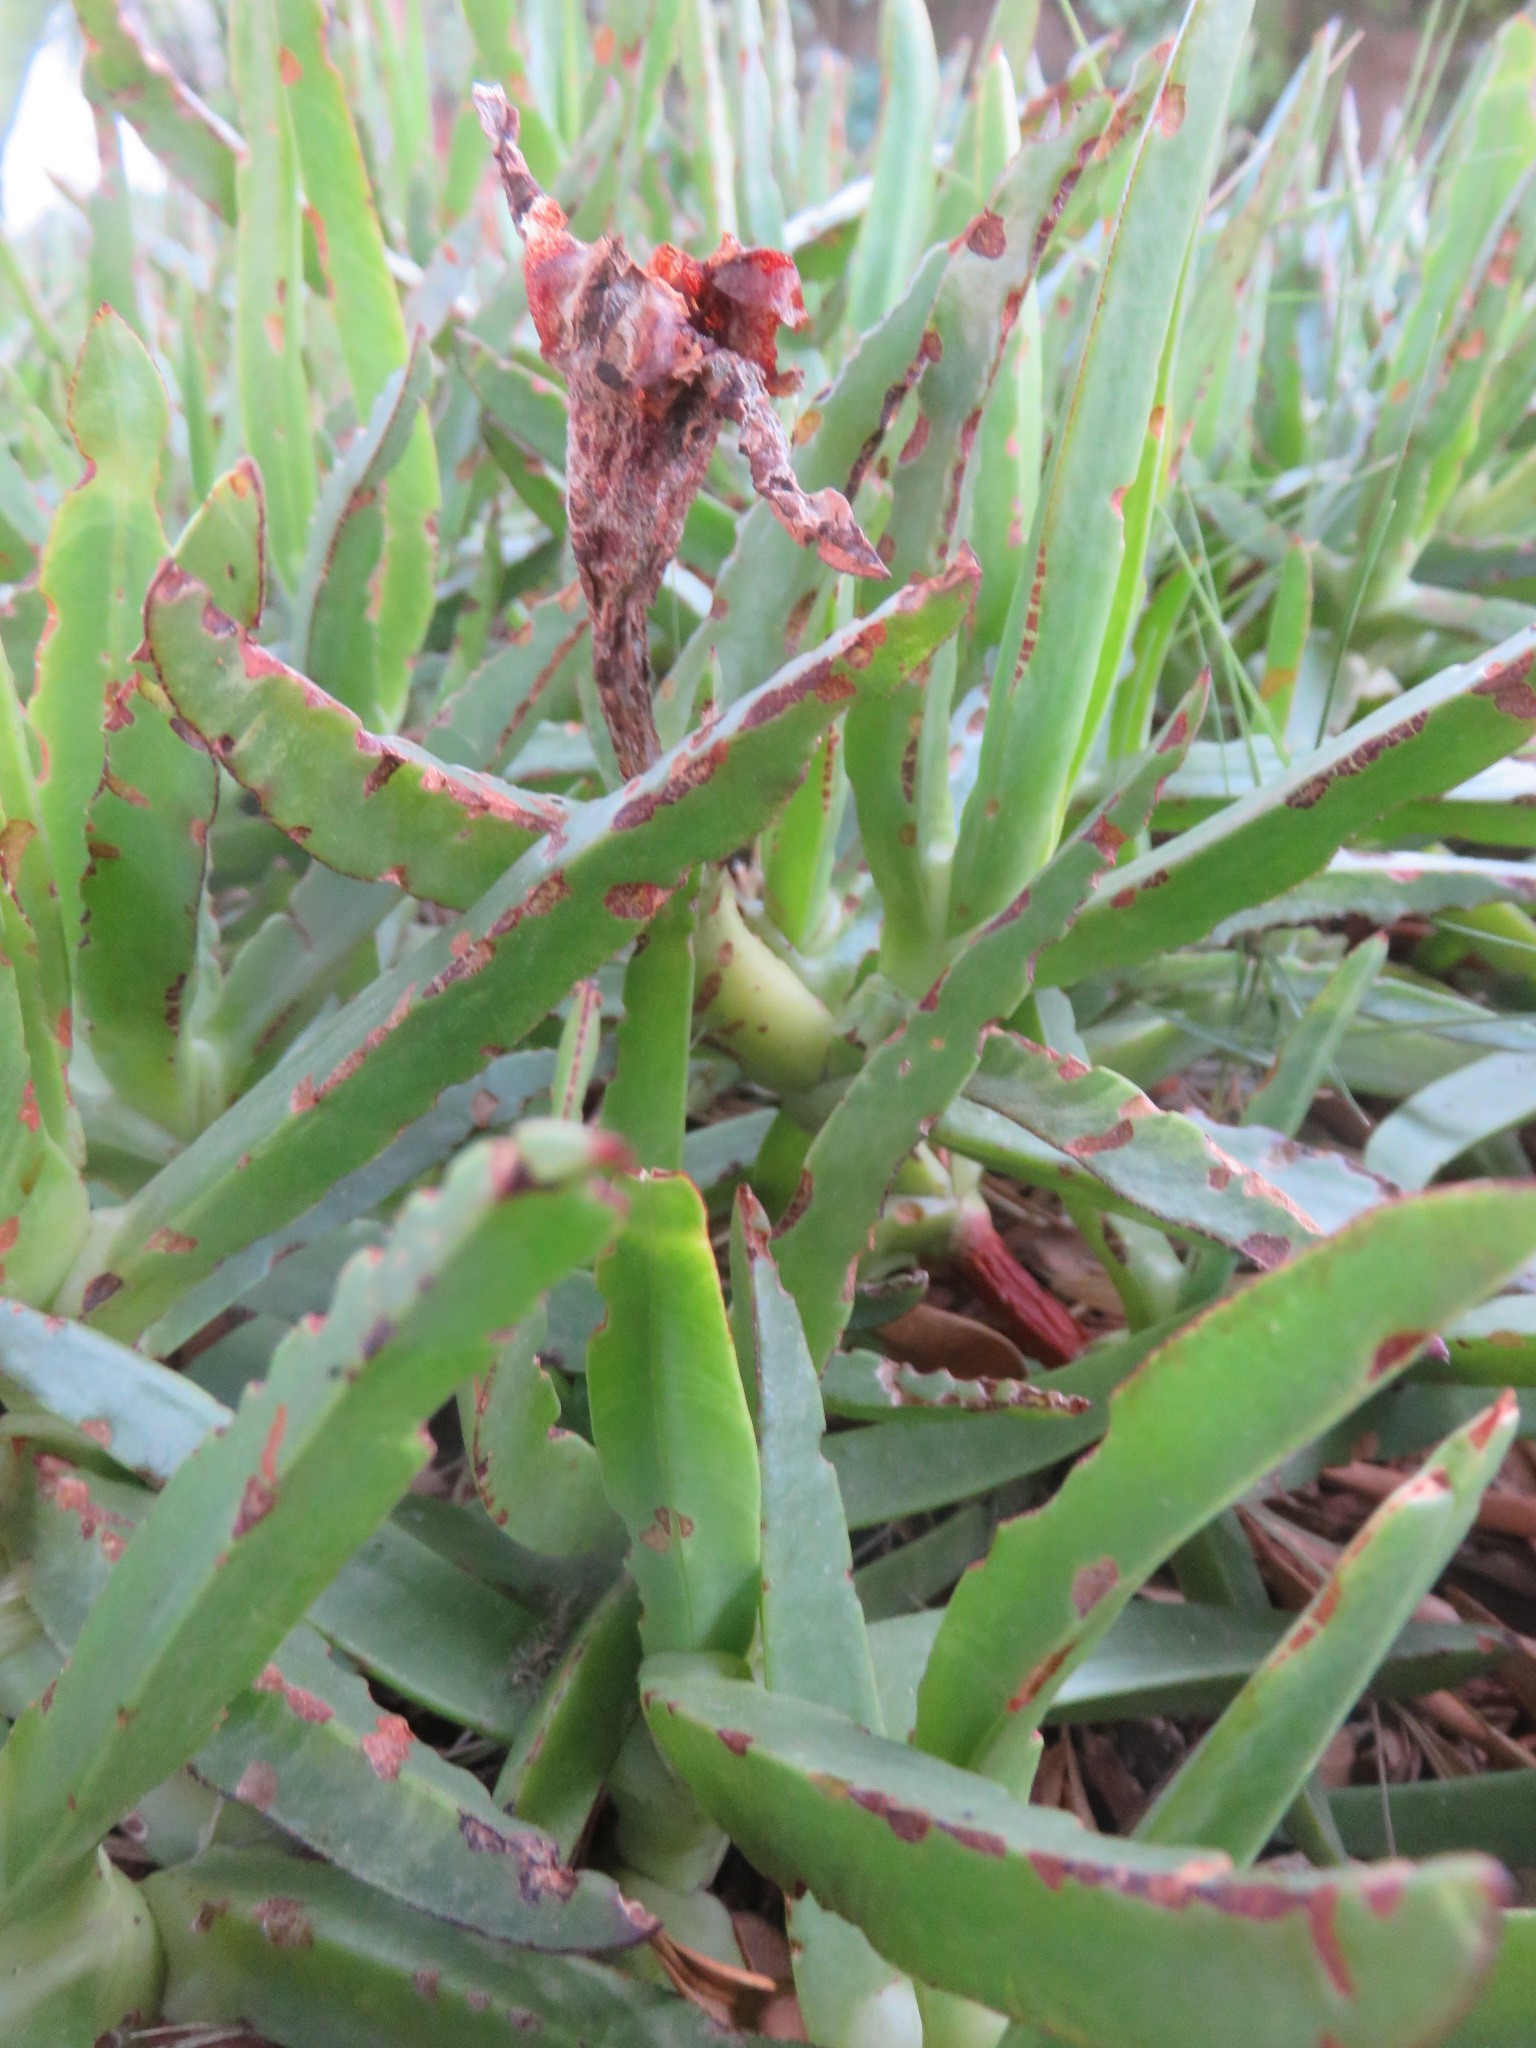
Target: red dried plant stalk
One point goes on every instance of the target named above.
(1042, 1325)
(656, 359)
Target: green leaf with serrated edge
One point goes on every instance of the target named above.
(224, 544)
(671, 1425)
(1167, 1166)
(932, 1861)
(431, 1632)
(1194, 1413)
(334, 633)
(1237, 1785)
(898, 750)
(1426, 741)
(334, 1104)
(307, 1745)
(43, 1202)
(495, 1097)
(1226, 261)
(189, 138)
(864, 1387)
(145, 969)
(371, 329)
(1050, 645)
(813, 1638)
(911, 1079)
(370, 806)
(1329, 1187)
(253, 1528)
(555, 1769)
(539, 1482)
(145, 1417)
(269, 313)
(119, 418)
(893, 1469)
(82, 1963)
(528, 678)
(304, 1953)
(646, 1102)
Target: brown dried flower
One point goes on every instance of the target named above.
(655, 360)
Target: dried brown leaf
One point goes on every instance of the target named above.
(656, 359)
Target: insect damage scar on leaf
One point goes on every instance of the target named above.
(540, 1872)
(656, 359)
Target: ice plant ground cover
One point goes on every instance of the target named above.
(767, 1037)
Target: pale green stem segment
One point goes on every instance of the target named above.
(646, 1102)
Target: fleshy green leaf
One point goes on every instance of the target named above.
(1338, 1322)
(670, 1422)
(1377, 1958)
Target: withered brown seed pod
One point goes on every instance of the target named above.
(656, 359)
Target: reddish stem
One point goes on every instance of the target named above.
(1036, 1320)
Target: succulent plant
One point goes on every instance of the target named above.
(583, 906)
